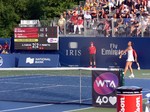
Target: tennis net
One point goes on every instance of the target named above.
(47, 85)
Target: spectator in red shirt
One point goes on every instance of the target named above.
(1, 48)
(5, 48)
(79, 25)
(92, 52)
(73, 21)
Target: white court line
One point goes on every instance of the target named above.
(74, 101)
(60, 68)
(146, 90)
(145, 73)
(16, 77)
(25, 108)
(34, 88)
(22, 83)
(78, 109)
(37, 84)
(50, 86)
(38, 106)
(137, 78)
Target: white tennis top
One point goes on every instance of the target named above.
(130, 55)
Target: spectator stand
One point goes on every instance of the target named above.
(109, 18)
(106, 18)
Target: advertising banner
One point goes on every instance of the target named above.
(104, 84)
(74, 51)
(38, 60)
(7, 60)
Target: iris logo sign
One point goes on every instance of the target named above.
(73, 49)
(106, 83)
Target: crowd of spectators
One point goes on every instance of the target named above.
(132, 15)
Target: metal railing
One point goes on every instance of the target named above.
(111, 28)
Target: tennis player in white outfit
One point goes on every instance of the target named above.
(130, 59)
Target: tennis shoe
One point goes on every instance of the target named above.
(139, 68)
(131, 76)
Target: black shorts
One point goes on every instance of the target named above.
(92, 57)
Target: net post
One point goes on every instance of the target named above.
(122, 83)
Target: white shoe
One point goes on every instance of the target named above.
(131, 76)
(139, 68)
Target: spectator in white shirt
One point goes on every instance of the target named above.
(148, 6)
(87, 18)
(78, 25)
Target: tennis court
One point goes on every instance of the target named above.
(55, 90)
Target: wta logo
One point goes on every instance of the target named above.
(106, 83)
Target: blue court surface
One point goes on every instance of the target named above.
(31, 107)
(23, 88)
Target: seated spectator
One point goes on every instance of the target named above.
(93, 13)
(87, 18)
(148, 6)
(78, 25)
(87, 6)
(134, 25)
(123, 9)
(94, 3)
(61, 24)
(129, 3)
(72, 22)
(133, 9)
(111, 4)
(76, 10)
(105, 6)
(81, 11)
(107, 27)
(101, 13)
(142, 25)
(68, 15)
(138, 4)
(81, 14)
(119, 2)
(87, 2)
(127, 20)
(6, 47)
(120, 26)
(65, 15)
(1, 48)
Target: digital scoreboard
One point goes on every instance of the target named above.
(36, 38)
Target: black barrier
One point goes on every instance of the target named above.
(104, 84)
